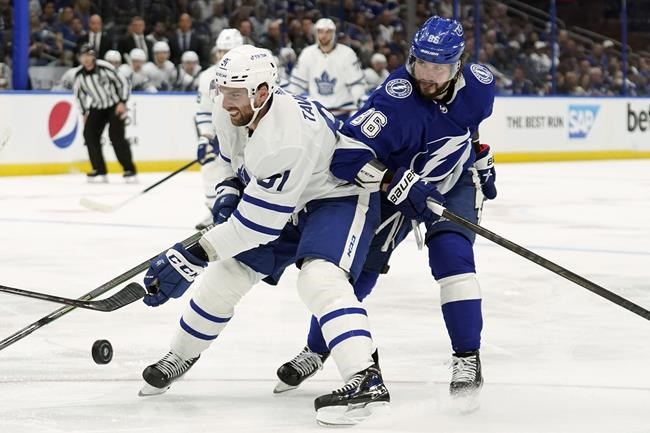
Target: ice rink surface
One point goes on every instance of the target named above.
(556, 357)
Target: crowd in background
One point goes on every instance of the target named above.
(517, 51)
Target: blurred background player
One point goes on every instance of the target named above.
(329, 72)
(279, 146)
(132, 70)
(207, 148)
(161, 72)
(420, 131)
(187, 79)
(102, 104)
(114, 58)
(377, 72)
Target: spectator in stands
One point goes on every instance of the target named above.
(377, 72)
(205, 8)
(46, 47)
(246, 29)
(272, 41)
(218, 21)
(159, 33)
(161, 72)
(539, 59)
(135, 39)
(520, 85)
(82, 10)
(297, 38)
(49, 15)
(100, 41)
(260, 21)
(185, 39)
(5, 76)
(597, 86)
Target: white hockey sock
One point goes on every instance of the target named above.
(221, 287)
(325, 290)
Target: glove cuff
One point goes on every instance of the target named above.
(399, 190)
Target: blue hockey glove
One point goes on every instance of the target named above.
(206, 151)
(229, 193)
(409, 194)
(170, 274)
(485, 166)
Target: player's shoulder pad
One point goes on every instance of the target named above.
(475, 73)
(480, 83)
(395, 93)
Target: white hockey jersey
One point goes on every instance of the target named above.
(138, 80)
(163, 78)
(285, 163)
(334, 79)
(204, 104)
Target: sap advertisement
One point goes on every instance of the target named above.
(48, 128)
(553, 124)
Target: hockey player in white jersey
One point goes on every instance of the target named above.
(133, 71)
(329, 73)
(292, 210)
(161, 72)
(206, 152)
(187, 78)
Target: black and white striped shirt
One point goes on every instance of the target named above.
(100, 88)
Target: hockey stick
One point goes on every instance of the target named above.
(24, 332)
(527, 254)
(126, 296)
(106, 208)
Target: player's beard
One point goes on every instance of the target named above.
(433, 91)
(242, 118)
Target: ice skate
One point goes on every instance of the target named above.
(299, 369)
(96, 177)
(361, 397)
(159, 376)
(466, 381)
(130, 177)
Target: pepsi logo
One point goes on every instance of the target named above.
(63, 124)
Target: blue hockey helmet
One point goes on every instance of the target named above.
(439, 40)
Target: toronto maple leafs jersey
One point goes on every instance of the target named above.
(334, 79)
(204, 104)
(402, 129)
(284, 164)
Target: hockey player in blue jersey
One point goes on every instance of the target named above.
(420, 131)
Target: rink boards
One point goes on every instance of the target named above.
(42, 132)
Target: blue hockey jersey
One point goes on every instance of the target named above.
(402, 129)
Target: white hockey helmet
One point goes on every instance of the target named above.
(138, 55)
(113, 56)
(189, 57)
(229, 39)
(248, 67)
(161, 47)
(325, 24)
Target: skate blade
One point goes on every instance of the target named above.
(282, 387)
(148, 390)
(342, 416)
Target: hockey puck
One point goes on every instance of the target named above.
(102, 351)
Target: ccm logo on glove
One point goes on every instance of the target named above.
(186, 269)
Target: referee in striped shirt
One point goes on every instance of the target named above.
(102, 92)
